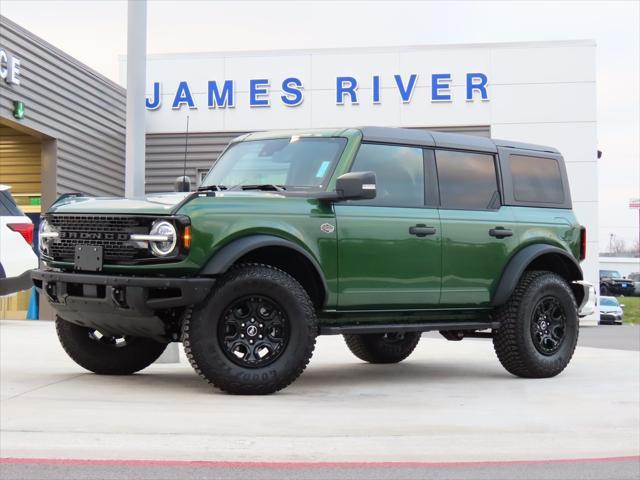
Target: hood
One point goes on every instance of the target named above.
(155, 204)
(161, 204)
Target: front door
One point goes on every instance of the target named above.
(389, 248)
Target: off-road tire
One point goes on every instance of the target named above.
(513, 341)
(378, 348)
(203, 346)
(103, 358)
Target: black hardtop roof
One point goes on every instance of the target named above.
(433, 138)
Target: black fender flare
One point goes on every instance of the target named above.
(222, 260)
(521, 260)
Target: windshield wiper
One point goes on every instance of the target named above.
(266, 187)
(212, 188)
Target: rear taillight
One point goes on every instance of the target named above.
(583, 243)
(24, 229)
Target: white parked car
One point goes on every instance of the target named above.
(610, 311)
(17, 257)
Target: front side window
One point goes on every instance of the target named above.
(399, 174)
(536, 179)
(292, 163)
(467, 180)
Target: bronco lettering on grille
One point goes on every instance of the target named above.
(94, 236)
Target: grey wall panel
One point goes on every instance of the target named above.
(165, 156)
(66, 100)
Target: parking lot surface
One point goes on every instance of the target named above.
(449, 402)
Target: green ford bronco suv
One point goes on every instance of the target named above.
(377, 234)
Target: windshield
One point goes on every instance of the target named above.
(293, 163)
(608, 302)
(609, 274)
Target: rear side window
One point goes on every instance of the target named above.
(467, 180)
(399, 174)
(8, 207)
(536, 179)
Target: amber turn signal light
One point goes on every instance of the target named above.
(186, 237)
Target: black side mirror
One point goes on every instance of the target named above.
(356, 186)
(182, 184)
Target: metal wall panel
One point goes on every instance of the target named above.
(67, 101)
(165, 156)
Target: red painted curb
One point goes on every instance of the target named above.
(300, 465)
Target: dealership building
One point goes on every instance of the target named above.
(62, 125)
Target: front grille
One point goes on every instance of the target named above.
(111, 232)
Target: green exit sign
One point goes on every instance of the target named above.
(18, 109)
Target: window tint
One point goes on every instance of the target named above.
(399, 174)
(536, 179)
(467, 180)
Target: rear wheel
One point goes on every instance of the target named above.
(107, 354)
(538, 329)
(382, 347)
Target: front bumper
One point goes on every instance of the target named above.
(117, 305)
(610, 318)
(618, 288)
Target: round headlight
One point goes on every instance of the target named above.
(165, 229)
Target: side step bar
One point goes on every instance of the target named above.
(404, 327)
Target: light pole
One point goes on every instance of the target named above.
(136, 80)
(135, 142)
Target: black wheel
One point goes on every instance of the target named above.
(256, 333)
(538, 329)
(104, 354)
(604, 290)
(382, 347)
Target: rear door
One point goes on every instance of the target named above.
(479, 234)
(389, 248)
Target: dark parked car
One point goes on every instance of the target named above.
(612, 283)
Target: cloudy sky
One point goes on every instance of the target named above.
(95, 33)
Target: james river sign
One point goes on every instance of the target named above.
(290, 91)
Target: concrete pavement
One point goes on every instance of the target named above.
(450, 401)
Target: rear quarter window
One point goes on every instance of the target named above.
(536, 179)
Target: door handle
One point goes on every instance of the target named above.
(500, 232)
(421, 230)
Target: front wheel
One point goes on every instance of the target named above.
(107, 354)
(255, 334)
(538, 329)
(382, 347)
